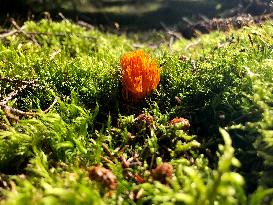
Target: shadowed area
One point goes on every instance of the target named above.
(134, 15)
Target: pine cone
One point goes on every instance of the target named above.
(104, 176)
(163, 173)
(183, 121)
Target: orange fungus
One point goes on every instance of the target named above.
(140, 75)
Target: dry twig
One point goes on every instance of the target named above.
(51, 106)
(18, 81)
(55, 53)
(21, 30)
(9, 33)
(13, 94)
(13, 113)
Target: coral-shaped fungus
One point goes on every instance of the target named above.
(140, 75)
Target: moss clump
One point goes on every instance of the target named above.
(222, 80)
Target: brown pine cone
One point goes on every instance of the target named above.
(104, 176)
(146, 118)
(185, 122)
(163, 173)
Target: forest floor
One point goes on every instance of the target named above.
(86, 119)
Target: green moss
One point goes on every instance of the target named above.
(225, 82)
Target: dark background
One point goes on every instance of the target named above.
(131, 14)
